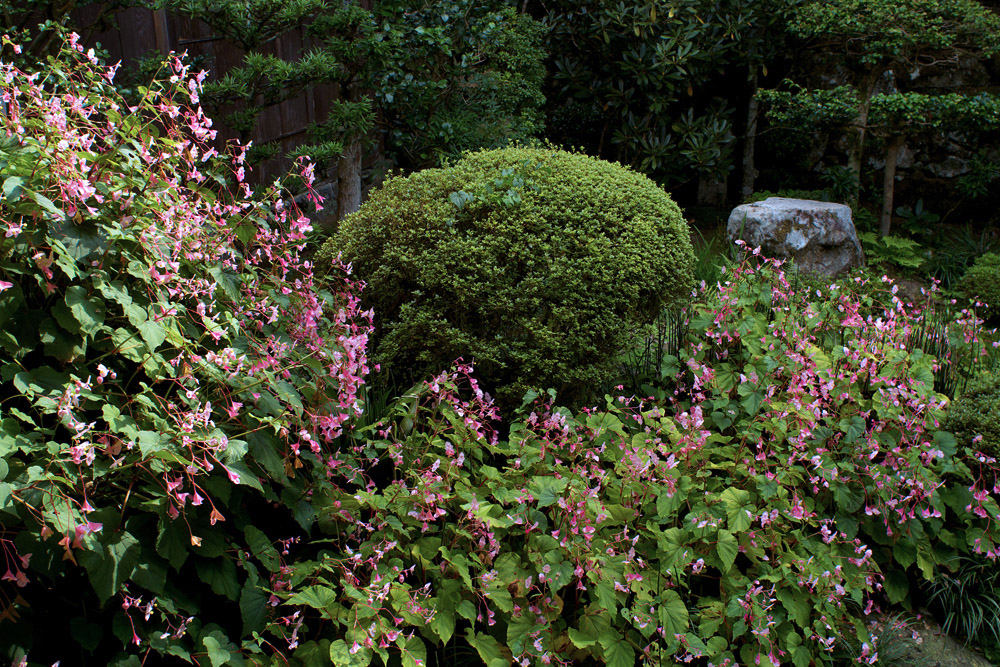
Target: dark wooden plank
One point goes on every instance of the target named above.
(161, 26)
(138, 36)
(94, 34)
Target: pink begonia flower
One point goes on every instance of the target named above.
(4, 285)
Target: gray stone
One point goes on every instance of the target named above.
(819, 236)
(950, 167)
(921, 643)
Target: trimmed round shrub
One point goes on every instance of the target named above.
(977, 412)
(536, 263)
(982, 283)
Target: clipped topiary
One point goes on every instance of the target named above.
(977, 413)
(982, 283)
(535, 262)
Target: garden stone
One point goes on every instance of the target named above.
(819, 236)
(934, 648)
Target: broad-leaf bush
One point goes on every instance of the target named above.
(535, 262)
(794, 480)
(170, 372)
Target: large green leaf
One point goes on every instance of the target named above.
(546, 490)
(443, 624)
(673, 614)
(726, 547)
(218, 654)
(287, 392)
(253, 608)
(262, 448)
(739, 509)
(617, 651)
(89, 313)
(261, 547)
(220, 575)
(317, 597)
(173, 541)
(109, 566)
(897, 586)
(797, 605)
(414, 652)
(341, 655)
(153, 333)
(313, 653)
(581, 639)
(487, 647)
(13, 187)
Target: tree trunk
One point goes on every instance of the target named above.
(892, 146)
(349, 179)
(856, 150)
(749, 169)
(856, 134)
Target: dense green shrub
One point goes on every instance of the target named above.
(974, 417)
(534, 262)
(982, 283)
(169, 374)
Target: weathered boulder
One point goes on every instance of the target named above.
(819, 236)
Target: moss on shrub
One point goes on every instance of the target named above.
(534, 262)
(977, 412)
(982, 283)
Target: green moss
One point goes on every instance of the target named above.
(977, 412)
(536, 263)
(812, 195)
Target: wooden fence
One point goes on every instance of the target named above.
(144, 32)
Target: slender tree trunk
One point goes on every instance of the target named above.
(349, 179)
(749, 143)
(856, 133)
(856, 150)
(892, 146)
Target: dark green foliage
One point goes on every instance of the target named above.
(537, 263)
(876, 32)
(982, 282)
(623, 77)
(464, 75)
(977, 413)
(873, 39)
(967, 600)
(954, 249)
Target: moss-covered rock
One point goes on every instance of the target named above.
(536, 263)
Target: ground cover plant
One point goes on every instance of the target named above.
(795, 480)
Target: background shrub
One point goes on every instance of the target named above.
(977, 413)
(982, 283)
(534, 262)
